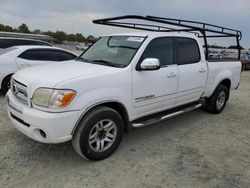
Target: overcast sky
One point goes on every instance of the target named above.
(74, 16)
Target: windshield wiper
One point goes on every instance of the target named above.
(82, 59)
(104, 62)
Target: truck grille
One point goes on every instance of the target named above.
(20, 91)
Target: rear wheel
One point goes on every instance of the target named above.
(99, 133)
(216, 103)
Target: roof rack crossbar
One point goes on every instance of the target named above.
(199, 23)
(198, 28)
(137, 24)
(204, 28)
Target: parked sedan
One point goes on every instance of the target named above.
(18, 57)
(81, 47)
(245, 61)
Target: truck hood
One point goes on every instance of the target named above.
(49, 75)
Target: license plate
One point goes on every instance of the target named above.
(14, 106)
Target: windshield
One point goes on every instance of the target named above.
(115, 51)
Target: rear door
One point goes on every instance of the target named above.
(155, 91)
(192, 70)
(34, 57)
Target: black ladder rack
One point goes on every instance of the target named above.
(201, 30)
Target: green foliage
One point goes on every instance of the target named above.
(37, 31)
(80, 37)
(235, 47)
(90, 39)
(23, 28)
(6, 28)
(223, 47)
(58, 35)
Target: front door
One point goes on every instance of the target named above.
(154, 91)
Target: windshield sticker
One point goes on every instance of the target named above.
(135, 39)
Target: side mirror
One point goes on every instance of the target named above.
(150, 64)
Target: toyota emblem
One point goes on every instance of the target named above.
(14, 88)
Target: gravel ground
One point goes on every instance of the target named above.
(196, 149)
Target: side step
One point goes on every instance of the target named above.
(163, 116)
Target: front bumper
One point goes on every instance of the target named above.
(41, 126)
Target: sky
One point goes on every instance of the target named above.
(75, 16)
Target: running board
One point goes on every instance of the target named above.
(156, 119)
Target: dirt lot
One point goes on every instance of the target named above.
(193, 150)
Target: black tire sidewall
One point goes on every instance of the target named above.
(5, 84)
(87, 125)
(211, 103)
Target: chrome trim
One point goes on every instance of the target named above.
(168, 116)
(20, 91)
(150, 64)
(141, 99)
(145, 97)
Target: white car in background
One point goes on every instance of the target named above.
(82, 47)
(18, 57)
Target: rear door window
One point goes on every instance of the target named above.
(187, 51)
(58, 55)
(37, 54)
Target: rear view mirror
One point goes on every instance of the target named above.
(150, 64)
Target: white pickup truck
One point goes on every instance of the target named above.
(122, 81)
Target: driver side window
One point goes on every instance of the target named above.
(161, 48)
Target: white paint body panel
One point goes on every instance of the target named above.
(192, 82)
(157, 87)
(96, 84)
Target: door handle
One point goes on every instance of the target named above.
(24, 64)
(202, 70)
(171, 75)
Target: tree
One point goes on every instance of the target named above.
(60, 35)
(235, 47)
(90, 39)
(23, 28)
(71, 37)
(80, 37)
(37, 31)
(2, 27)
(6, 28)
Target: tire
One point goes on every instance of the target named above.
(6, 84)
(98, 134)
(216, 103)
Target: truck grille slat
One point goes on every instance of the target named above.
(20, 91)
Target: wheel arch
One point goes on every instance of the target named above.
(117, 106)
(4, 78)
(227, 83)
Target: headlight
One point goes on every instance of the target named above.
(52, 98)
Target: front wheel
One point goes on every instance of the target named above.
(99, 133)
(216, 103)
(6, 84)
